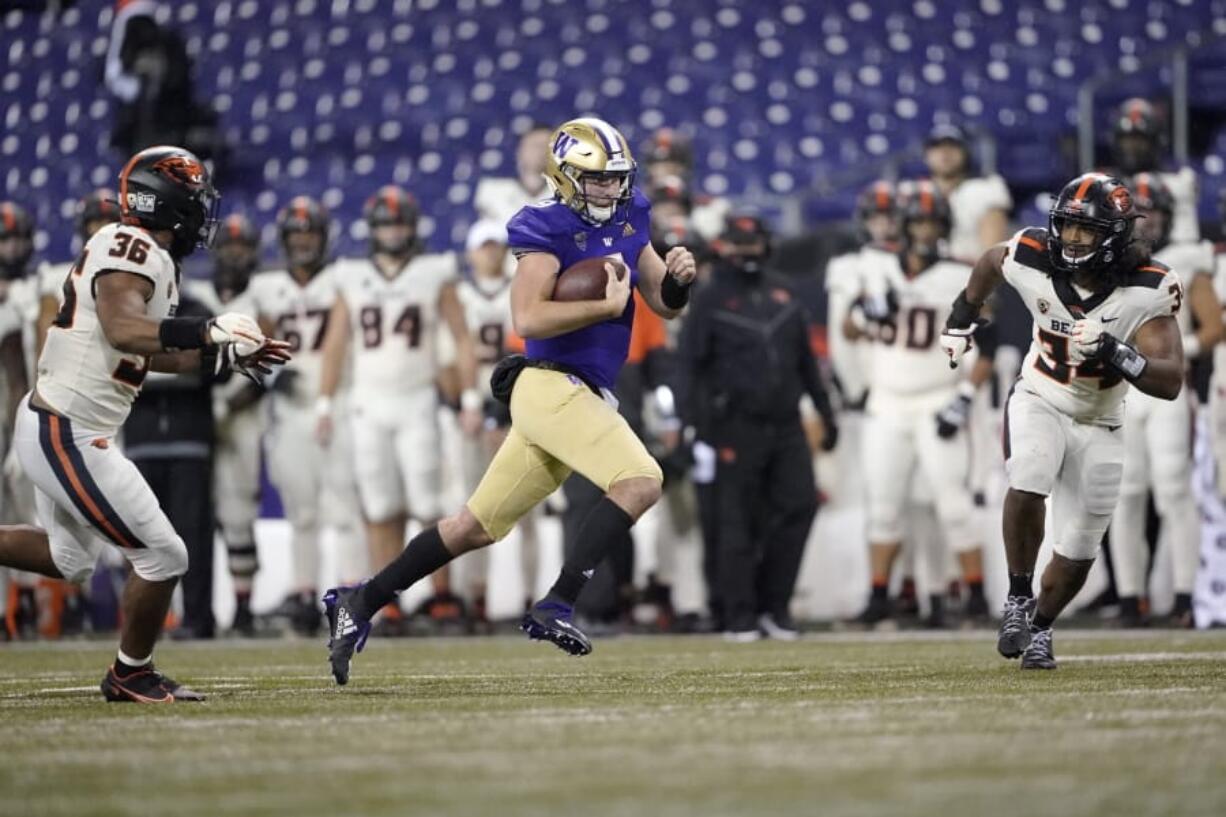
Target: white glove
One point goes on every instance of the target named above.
(1087, 337)
(956, 342)
(238, 329)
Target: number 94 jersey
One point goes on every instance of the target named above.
(906, 362)
(80, 373)
(393, 321)
(1091, 392)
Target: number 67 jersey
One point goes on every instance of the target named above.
(1090, 392)
(80, 374)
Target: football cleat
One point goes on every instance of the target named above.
(348, 630)
(552, 621)
(145, 686)
(877, 612)
(1038, 654)
(779, 628)
(1014, 634)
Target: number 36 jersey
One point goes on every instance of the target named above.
(299, 315)
(1090, 392)
(80, 374)
(393, 321)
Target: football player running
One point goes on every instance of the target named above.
(1104, 317)
(387, 310)
(1158, 433)
(562, 414)
(116, 324)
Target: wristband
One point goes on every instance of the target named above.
(182, 333)
(470, 400)
(673, 293)
(323, 406)
(1191, 346)
(1123, 358)
(964, 313)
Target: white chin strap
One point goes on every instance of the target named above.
(600, 213)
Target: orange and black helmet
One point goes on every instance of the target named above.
(880, 197)
(304, 214)
(922, 199)
(168, 188)
(392, 205)
(236, 253)
(1105, 205)
(1137, 136)
(1151, 195)
(17, 232)
(101, 205)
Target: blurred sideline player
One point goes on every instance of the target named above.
(116, 324)
(918, 407)
(1138, 145)
(979, 205)
(497, 199)
(1158, 433)
(1104, 317)
(385, 316)
(239, 423)
(486, 297)
(316, 484)
(562, 417)
(668, 154)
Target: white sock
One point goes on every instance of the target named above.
(134, 662)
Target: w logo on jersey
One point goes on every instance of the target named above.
(565, 142)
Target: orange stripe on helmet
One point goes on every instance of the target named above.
(926, 200)
(393, 201)
(235, 226)
(123, 189)
(883, 197)
(1143, 185)
(1085, 187)
(10, 221)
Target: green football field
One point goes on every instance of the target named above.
(835, 724)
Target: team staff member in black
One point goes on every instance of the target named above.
(744, 362)
(169, 435)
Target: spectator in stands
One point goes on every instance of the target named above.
(500, 198)
(149, 73)
(979, 204)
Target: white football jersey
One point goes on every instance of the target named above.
(1091, 392)
(969, 202)
(487, 310)
(906, 360)
(851, 359)
(1187, 260)
(394, 321)
(1185, 189)
(80, 374)
(204, 292)
(299, 315)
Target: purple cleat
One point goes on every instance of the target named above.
(348, 631)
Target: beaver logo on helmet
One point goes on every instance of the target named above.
(185, 168)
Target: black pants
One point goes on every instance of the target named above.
(767, 499)
(184, 488)
(601, 598)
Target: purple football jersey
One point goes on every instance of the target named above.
(598, 351)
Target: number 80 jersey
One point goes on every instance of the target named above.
(393, 321)
(1091, 392)
(80, 374)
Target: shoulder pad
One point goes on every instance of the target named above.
(1030, 249)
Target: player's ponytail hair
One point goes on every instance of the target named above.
(1138, 253)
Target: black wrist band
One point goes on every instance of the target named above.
(1122, 357)
(674, 294)
(182, 333)
(964, 313)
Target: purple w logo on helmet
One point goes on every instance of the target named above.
(564, 143)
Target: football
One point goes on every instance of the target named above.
(585, 280)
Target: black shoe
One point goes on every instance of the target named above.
(1014, 635)
(877, 611)
(554, 621)
(348, 630)
(1131, 617)
(307, 619)
(976, 608)
(778, 628)
(1039, 653)
(145, 686)
(1182, 616)
(244, 621)
(935, 620)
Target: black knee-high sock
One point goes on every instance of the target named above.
(603, 526)
(424, 554)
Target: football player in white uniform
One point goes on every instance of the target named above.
(498, 199)
(116, 324)
(1104, 317)
(979, 205)
(316, 483)
(239, 423)
(1158, 433)
(1137, 142)
(917, 406)
(387, 309)
(94, 211)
